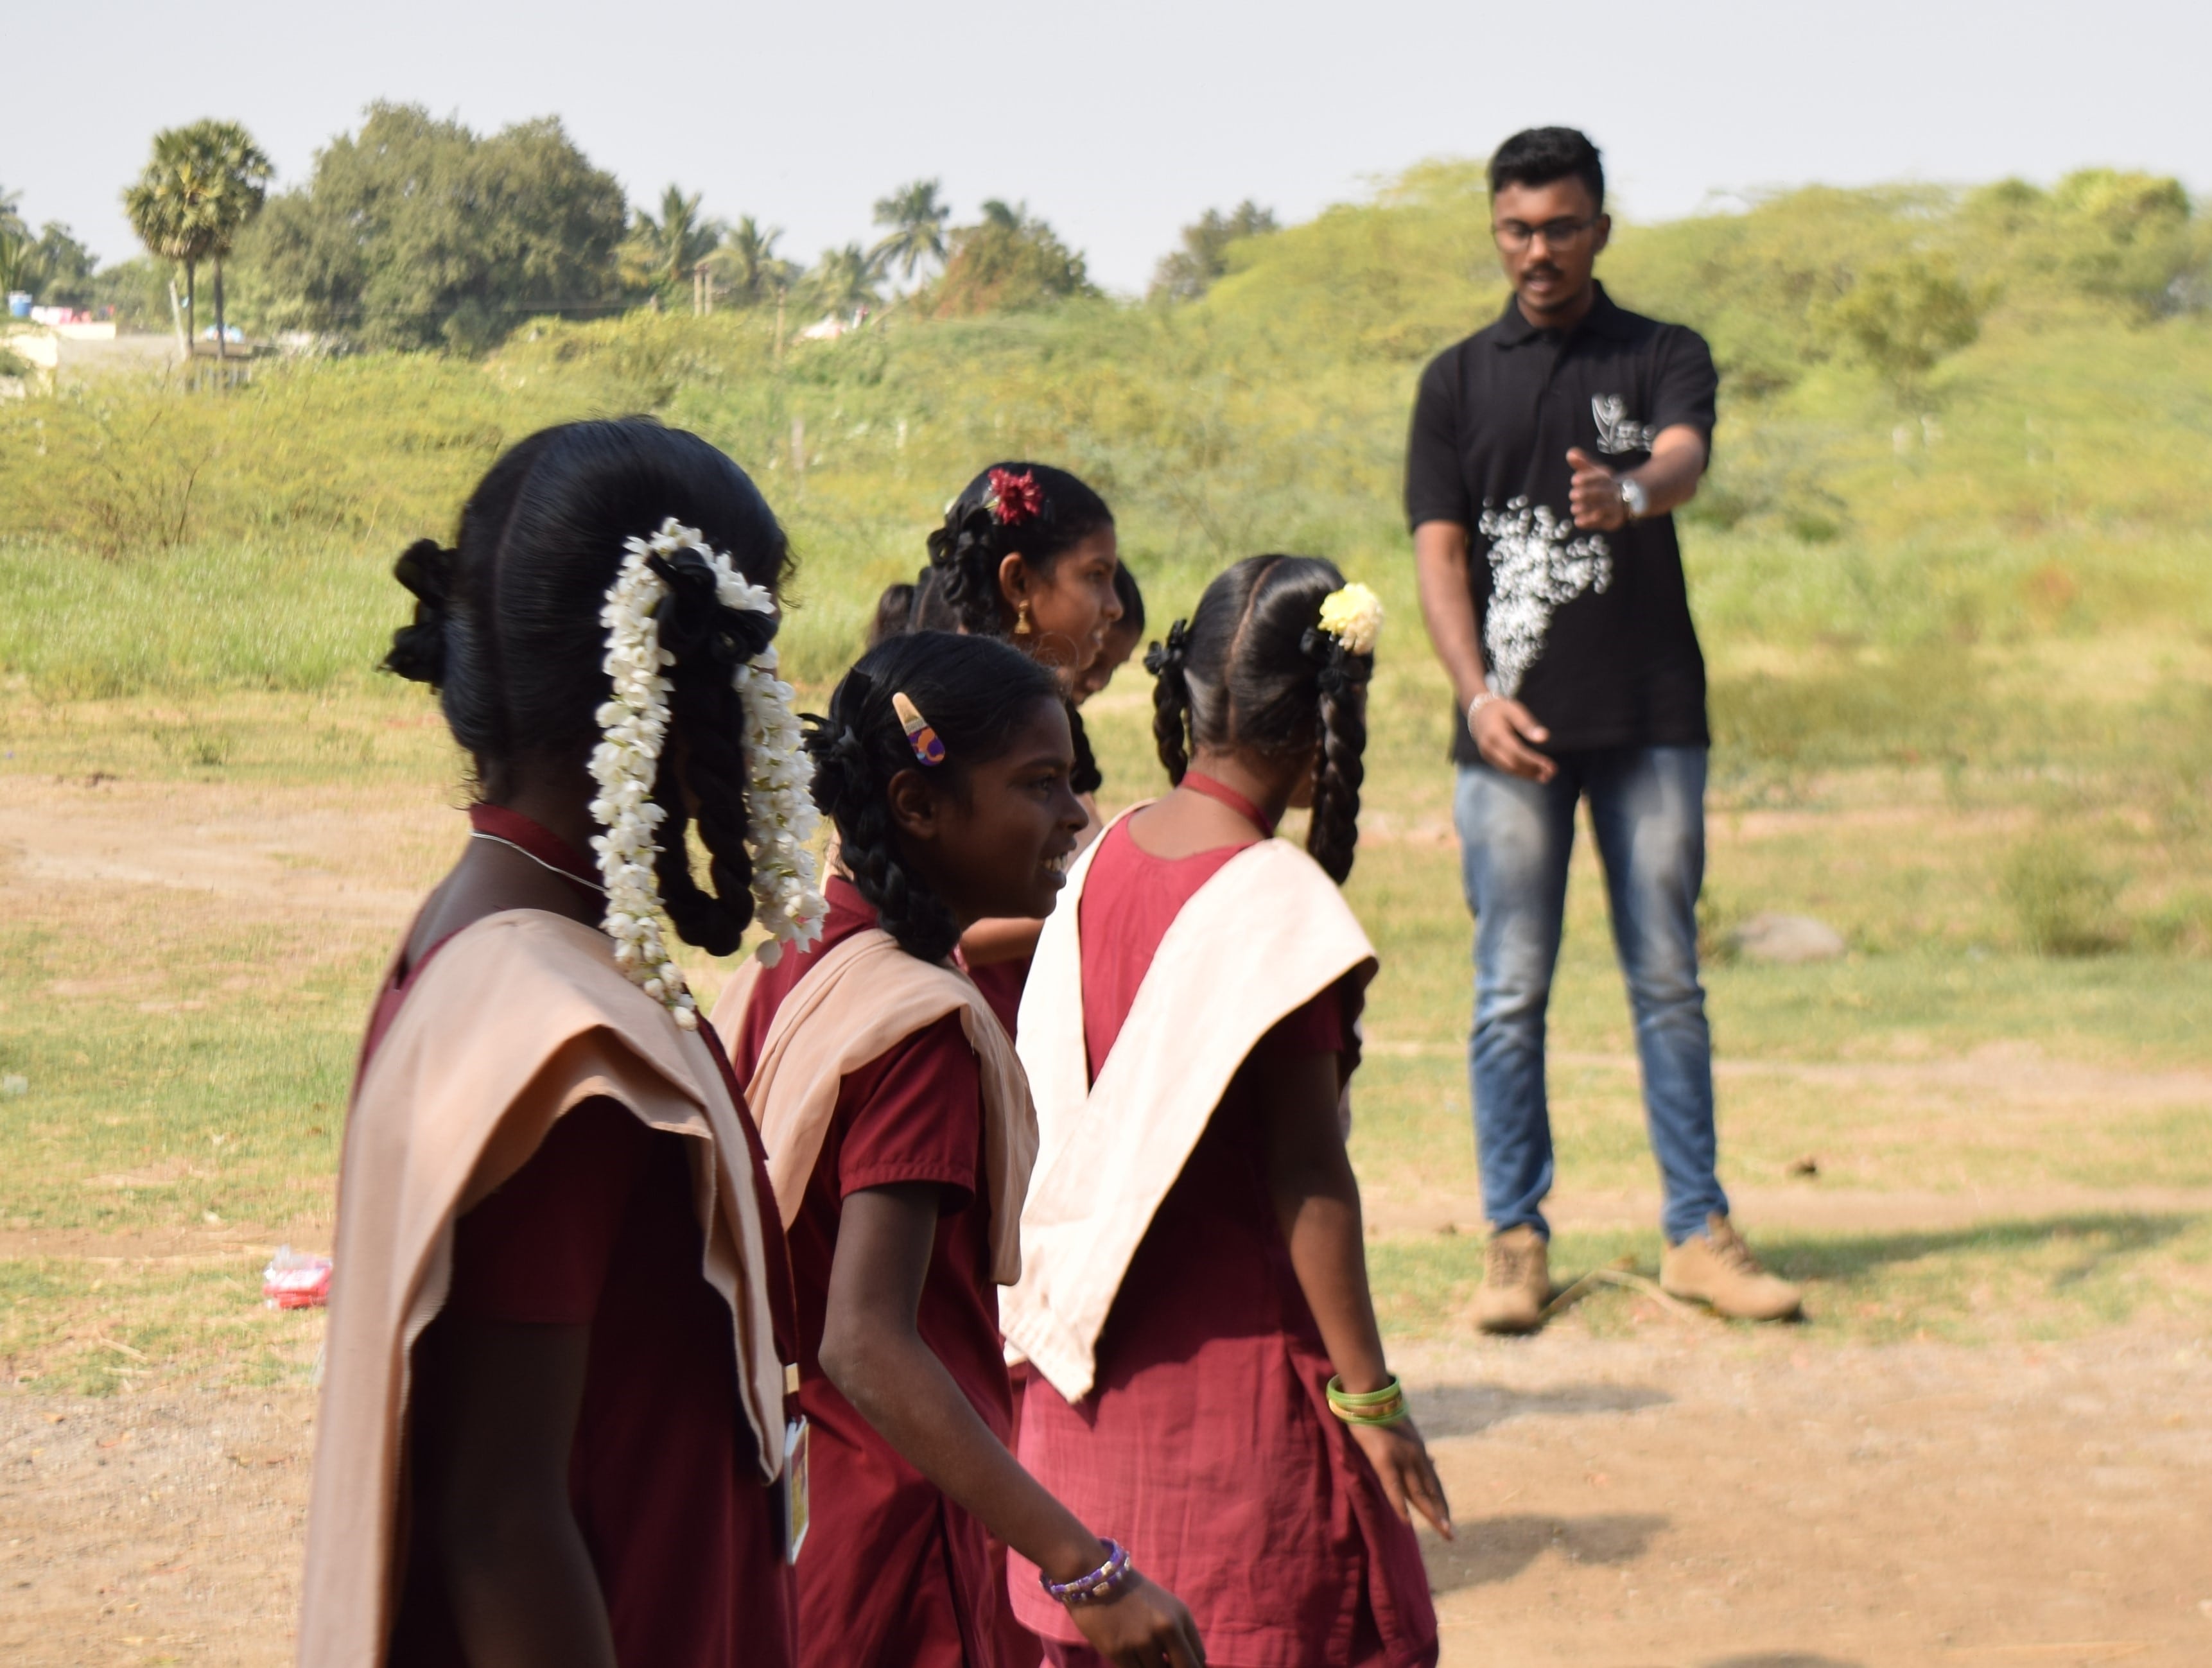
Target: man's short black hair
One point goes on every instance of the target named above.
(1539, 156)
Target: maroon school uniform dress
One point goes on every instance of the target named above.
(1002, 983)
(598, 1228)
(894, 1576)
(1206, 1446)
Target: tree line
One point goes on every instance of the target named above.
(416, 232)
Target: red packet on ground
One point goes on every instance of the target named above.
(295, 1280)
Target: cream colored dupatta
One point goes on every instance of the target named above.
(518, 1019)
(860, 998)
(1265, 935)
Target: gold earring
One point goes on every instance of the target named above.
(1022, 618)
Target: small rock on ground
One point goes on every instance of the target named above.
(1788, 940)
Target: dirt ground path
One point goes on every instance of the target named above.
(1692, 1496)
(1706, 1499)
(1698, 1499)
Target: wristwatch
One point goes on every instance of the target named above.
(1633, 498)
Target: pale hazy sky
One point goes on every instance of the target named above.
(1119, 122)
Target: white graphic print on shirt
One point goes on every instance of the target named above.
(1617, 431)
(1537, 563)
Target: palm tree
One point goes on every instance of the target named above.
(663, 252)
(204, 183)
(748, 260)
(19, 250)
(843, 280)
(917, 220)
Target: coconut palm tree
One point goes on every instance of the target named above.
(843, 280)
(204, 183)
(19, 250)
(917, 219)
(747, 259)
(662, 252)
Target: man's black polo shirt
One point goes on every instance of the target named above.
(1590, 631)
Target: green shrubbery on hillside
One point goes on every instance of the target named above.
(2041, 484)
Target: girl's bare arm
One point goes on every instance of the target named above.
(871, 1351)
(494, 1423)
(1317, 1204)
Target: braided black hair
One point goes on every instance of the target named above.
(1171, 699)
(1086, 777)
(1251, 668)
(506, 628)
(975, 693)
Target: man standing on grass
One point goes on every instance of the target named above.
(1548, 452)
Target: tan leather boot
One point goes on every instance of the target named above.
(1716, 1268)
(1517, 1282)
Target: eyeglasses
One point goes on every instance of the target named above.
(1519, 234)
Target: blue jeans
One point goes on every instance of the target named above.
(1647, 805)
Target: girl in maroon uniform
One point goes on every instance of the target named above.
(1027, 554)
(1205, 1364)
(900, 1136)
(553, 1428)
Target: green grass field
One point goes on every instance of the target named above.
(1961, 644)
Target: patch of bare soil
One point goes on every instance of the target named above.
(267, 853)
(1710, 1501)
(1695, 1499)
(162, 1528)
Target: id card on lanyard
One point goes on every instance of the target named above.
(795, 1501)
(797, 1506)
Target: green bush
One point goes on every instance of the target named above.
(2065, 903)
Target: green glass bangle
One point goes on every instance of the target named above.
(1361, 1400)
(1371, 1422)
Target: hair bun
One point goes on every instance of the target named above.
(1168, 656)
(968, 529)
(418, 651)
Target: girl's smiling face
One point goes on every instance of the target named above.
(993, 839)
(1122, 640)
(1072, 602)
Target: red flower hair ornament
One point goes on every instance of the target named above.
(1015, 498)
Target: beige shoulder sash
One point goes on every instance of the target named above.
(519, 1017)
(860, 998)
(1268, 933)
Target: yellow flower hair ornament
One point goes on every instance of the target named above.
(1353, 617)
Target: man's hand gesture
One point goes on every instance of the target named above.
(1503, 729)
(1595, 497)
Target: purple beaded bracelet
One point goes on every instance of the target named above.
(1109, 1582)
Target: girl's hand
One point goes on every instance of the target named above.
(1144, 1628)
(1402, 1459)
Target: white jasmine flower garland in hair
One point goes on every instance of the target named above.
(1353, 617)
(634, 728)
